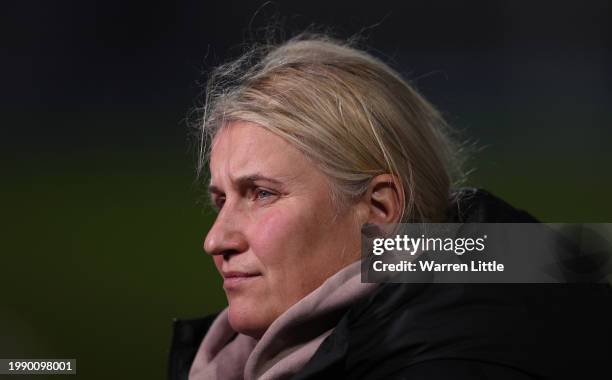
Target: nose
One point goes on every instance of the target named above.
(226, 236)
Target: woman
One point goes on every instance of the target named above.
(307, 142)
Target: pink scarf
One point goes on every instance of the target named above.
(290, 341)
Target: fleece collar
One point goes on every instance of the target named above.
(290, 341)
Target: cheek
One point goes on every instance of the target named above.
(273, 235)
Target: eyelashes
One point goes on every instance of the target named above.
(255, 194)
(262, 194)
(218, 203)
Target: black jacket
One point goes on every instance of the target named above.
(458, 331)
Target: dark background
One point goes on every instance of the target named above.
(101, 229)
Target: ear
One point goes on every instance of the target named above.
(384, 200)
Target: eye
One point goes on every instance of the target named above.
(218, 203)
(260, 194)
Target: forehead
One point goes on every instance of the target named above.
(243, 148)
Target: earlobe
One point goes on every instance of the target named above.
(384, 199)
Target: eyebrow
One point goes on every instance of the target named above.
(244, 181)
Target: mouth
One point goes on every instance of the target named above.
(233, 280)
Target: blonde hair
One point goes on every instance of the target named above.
(344, 109)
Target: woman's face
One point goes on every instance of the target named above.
(276, 237)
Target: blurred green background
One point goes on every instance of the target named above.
(102, 230)
(100, 253)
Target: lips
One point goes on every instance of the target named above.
(235, 279)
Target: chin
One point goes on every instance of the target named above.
(246, 322)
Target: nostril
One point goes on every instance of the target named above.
(228, 253)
